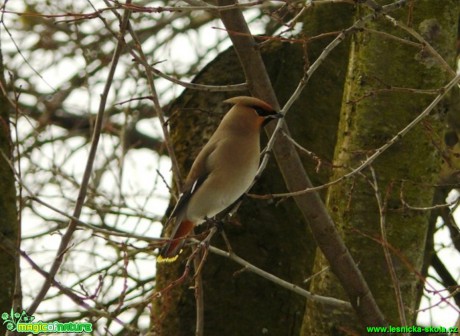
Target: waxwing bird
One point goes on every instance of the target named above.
(223, 170)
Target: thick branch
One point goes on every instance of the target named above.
(295, 177)
(447, 279)
(83, 125)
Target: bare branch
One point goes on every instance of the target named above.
(382, 205)
(201, 87)
(297, 289)
(66, 238)
(199, 297)
(442, 62)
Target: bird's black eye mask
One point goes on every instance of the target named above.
(263, 112)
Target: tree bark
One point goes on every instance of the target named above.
(9, 227)
(376, 106)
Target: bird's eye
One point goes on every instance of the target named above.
(262, 112)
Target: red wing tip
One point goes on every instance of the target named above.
(173, 248)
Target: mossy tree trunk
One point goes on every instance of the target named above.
(384, 92)
(8, 211)
(270, 235)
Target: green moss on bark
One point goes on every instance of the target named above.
(376, 106)
(8, 211)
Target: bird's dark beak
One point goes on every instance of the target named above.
(270, 117)
(276, 115)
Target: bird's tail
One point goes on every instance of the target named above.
(173, 248)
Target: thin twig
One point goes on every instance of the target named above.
(342, 305)
(201, 87)
(203, 246)
(455, 202)
(199, 259)
(409, 265)
(133, 8)
(158, 109)
(382, 205)
(392, 37)
(207, 7)
(199, 297)
(424, 42)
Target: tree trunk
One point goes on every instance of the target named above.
(8, 213)
(377, 105)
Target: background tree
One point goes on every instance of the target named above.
(388, 86)
(9, 262)
(95, 84)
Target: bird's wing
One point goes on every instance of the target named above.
(184, 197)
(198, 174)
(182, 228)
